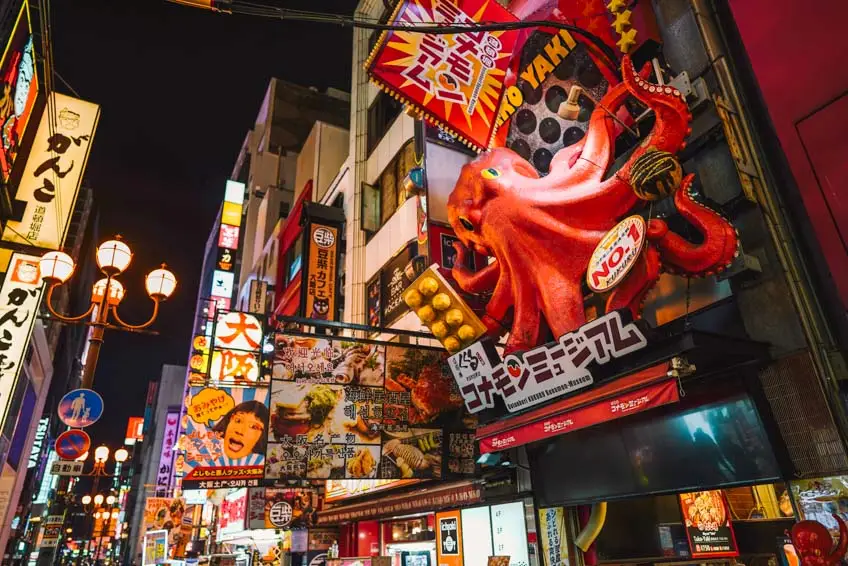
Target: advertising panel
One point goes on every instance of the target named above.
(282, 508)
(708, 526)
(166, 455)
(225, 437)
(321, 272)
(166, 514)
(393, 282)
(20, 297)
(20, 83)
(236, 350)
(233, 515)
(53, 171)
(819, 499)
(449, 538)
(454, 81)
(348, 409)
(135, 431)
(155, 548)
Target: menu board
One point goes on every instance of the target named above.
(509, 533)
(342, 408)
(708, 528)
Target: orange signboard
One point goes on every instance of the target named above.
(449, 539)
(321, 273)
(135, 429)
(343, 489)
(456, 81)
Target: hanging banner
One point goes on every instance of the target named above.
(282, 508)
(708, 526)
(321, 272)
(21, 83)
(20, 297)
(165, 472)
(51, 178)
(347, 409)
(225, 437)
(455, 81)
(552, 536)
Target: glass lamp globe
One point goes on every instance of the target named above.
(160, 283)
(101, 454)
(86, 499)
(98, 499)
(110, 500)
(121, 455)
(116, 291)
(115, 514)
(56, 267)
(113, 257)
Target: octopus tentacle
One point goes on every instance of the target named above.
(469, 281)
(714, 254)
(632, 291)
(672, 116)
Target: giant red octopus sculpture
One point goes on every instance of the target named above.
(815, 546)
(542, 230)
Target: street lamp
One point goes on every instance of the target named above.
(113, 258)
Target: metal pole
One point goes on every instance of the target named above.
(95, 341)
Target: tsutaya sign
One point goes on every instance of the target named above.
(38, 442)
(19, 300)
(53, 171)
(545, 372)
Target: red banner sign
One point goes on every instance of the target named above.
(455, 80)
(648, 397)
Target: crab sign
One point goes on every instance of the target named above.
(815, 546)
(542, 230)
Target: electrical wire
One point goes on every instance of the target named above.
(433, 28)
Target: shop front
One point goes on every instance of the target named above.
(669, 457)
(425, 525)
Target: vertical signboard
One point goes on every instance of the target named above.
(320, 288)
(449, 539)
(393, 282)
(552, 536)
(166, 458)
(20, 296)
(17, 70)
(256, 296)
(51, 178)
(38, 442)
(233, 515)
(135, 431)
(708, 528)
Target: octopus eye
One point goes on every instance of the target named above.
(466, 223)
(490, 173)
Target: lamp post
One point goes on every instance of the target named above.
(113, 258)
(101, 457)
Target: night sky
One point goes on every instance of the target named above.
(179, 88)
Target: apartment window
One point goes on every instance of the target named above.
(381, 116)
(390, 182)
(294, 259)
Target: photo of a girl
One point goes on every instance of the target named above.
(244, 430)
(234, 439)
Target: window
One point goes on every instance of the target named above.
(390, 182)
(294, 258)
(381, 115)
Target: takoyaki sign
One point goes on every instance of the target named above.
(345, 409)
(545, 372)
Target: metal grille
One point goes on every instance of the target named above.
(806, 424)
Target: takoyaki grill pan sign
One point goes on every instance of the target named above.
(342, 408)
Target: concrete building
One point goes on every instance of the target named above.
(168, 400)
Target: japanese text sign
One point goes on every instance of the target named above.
(545, 372)
(65, 468)
(237, 341)
(349, 409)
(320, 302)
(233, 515)
(292, 508)
(708, 528)
(238, 331)
(455, 80)
(165, 472)
(225, 438)
(20, 296)
(53, 171)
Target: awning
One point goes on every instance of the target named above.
(431, 498)
(640, 391)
